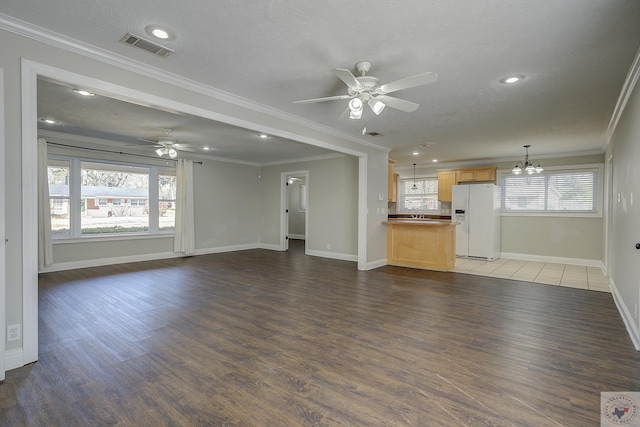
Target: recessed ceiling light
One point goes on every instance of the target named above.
(160, 32)
(206, 148)
(512, 79)
(83, 92)
(49, 121)
(415, 153)
(263, 135)
(435, 160)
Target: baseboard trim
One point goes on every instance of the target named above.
(13, 359)
(100, 262)
(376, 264)
(222, 249)
(333, 255)
(269, 247)
(148, 257)
(626, 315)
(297, 236)
(553, 259)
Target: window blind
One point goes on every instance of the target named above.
(424, 198)
(556, 191)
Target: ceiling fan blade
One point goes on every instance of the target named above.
(348, 78)
(148, 140)
(398, 104)
(326, 98)
(409, 82)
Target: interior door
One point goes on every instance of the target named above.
(285, 225)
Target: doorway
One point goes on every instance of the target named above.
(295, 207)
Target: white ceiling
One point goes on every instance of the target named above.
(575, 55)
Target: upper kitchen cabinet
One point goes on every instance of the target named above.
(446, 180)
(392, 177)
(484, 174)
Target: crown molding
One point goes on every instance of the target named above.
(627, 89)
(60, 41)
(54, 136)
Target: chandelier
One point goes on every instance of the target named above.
(528, 166)
(414, 187)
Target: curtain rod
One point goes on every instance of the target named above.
(114, 152)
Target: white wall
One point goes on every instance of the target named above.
(625, 225)
(227, 203)
(332, 191)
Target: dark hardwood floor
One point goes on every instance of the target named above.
(263, 338)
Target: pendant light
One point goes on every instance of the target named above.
(528, 167)
(414, 187)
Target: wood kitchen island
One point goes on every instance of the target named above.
(421, 243)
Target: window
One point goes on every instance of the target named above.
(560, 191)
(422, 199)
(115, 183)
(59, 199)
(111, 198)
(167, 201)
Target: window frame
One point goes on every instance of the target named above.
(156, 189)
(401, 196)
(554, 170)
(75, 197)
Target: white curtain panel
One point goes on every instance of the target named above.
(184, 239)
(45, 250)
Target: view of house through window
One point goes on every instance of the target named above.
(126, 191)
(59, 198)
(109, 198)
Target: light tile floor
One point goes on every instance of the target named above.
(574, 276)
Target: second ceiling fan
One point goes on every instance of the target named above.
(365, 89)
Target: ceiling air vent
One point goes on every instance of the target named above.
(144, 44)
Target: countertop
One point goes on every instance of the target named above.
(420, 221)
(426, 216)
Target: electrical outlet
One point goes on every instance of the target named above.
(13, 333)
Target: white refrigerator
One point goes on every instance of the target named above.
(477, 208)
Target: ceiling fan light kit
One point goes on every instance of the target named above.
(368, 90)
(528, 166)
(167, 150)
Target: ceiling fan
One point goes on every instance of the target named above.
(167, 145)
(368, 90)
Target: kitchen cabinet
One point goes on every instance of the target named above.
(428, 244)
(449, 178)
(485, 174)
(446, 180)
(392, 177)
